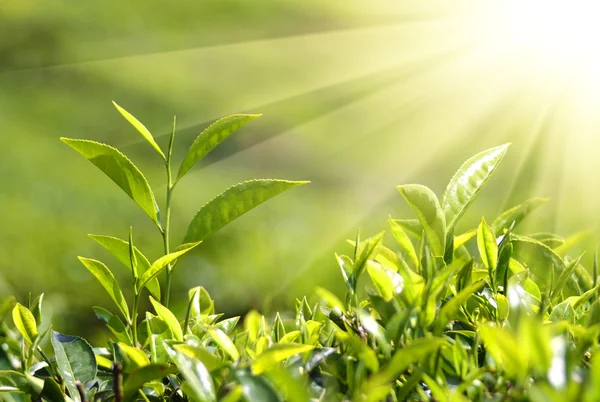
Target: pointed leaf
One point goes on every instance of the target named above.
(426, 206)
(169, 318)
(143, 375)
(405, 244)
(25, 322)
(257, 388)
(121, 170)
(486, 243)
(224, 342)
(210, 361)
(13, 381)
(120, 249)
(233, 203)
(114, 324)
(160, 264)
(212, 136)
(468, 182)
(200, 385)
(75, 360)
(276, 354)
(140, 128)
(516, 214)
(108, 282)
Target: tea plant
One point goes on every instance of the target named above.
(483, 315)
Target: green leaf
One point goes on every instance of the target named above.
(462, 239)
(387, 282)
(201, 302)
(330, 298)
(405, 244)
(13, 381)
(468, 182)
(516, 214)
(426, 206)
(450, 309)
(233, 203)
(141, 129)
(114, 324)
(486, 243)
(120, 249)
(25, 323)
(137, 357)
(36, 308)
(52, 391)
(224, 342)
(366, 250)
(364, 353)
(158, 332)
(212, 136)
(276, 354)
(210, 361)
(108, 282)
(504, 348)
(121, 170)
(404, 357)
(563, 312)
(75, 360)
(160, 264)
(200, 385)
(136, 380)
(257, 388)
(169, 318)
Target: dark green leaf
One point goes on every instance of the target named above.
(143, 375)
(75, 360)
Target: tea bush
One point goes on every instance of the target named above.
(484, 315)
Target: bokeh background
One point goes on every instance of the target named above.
(357, 97)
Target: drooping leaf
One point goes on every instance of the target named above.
(486, 243)
(516, 214)
(140, 128)
(161, 263)
(233, 203)
(169, 318)
(136, 380)
(427, 208)
(468, 182)
(25, 322)
(108, 282)
(212, 136)
(276, 354)
(120, 249)
(121, 170)
(75, 360)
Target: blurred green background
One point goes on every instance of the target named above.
(357, 97)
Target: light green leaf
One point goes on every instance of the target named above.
(504, 348)
(276, 354)
(224, 342)
(450, 309)
(202, 304)
(331, 299)
(160, 264)
(486, 243)
(563, 312)
(426, 206)
(516, 214)
(210, 361)
(572, 241)
(143, 375)
(75, 360)
(121, 170)
(13, 381)
(120, 249)
(169, 318)
(233, 203)
(200, 386)
(366, 250)
(404, 357)
(364, 353)
(141, 129)
(25, 322)
(137, 357)
(114, 324)
(212, 136)
(158, 332)
(257, 388)
(405, 244)
(460, 240)
(387, 282)
(468, 182)
(108, 282)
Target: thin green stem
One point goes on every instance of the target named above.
(166, 229)
(134, 316)
(47, 360)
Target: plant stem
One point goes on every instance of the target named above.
(134, 316)
(165, 232)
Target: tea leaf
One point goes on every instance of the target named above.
(426, 206)
(233, 203)
(450, 309)
(516, 214)
(141, 129)
(25, 322)
(210, 361)
(108, 282)
(200, 385)
(52, 391)
(114, 324)
(257, 388)
(143, 375)
(405, 244)
(224, 342)
(120, 249)
(160, 264)
(468, 182)
(75, 360)
(486, 243)
(169, 318)
(276, 354)
(212, 136)
(13, 381)
(121, 170)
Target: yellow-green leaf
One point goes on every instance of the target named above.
(516, 214)
(404, 241)
(276, 354)
(160, 264)
(169, 318)
(25, 322)
(224, 342)
(140, 128)
(121, 170)
(486, 243)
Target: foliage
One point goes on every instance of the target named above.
(484, 315)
